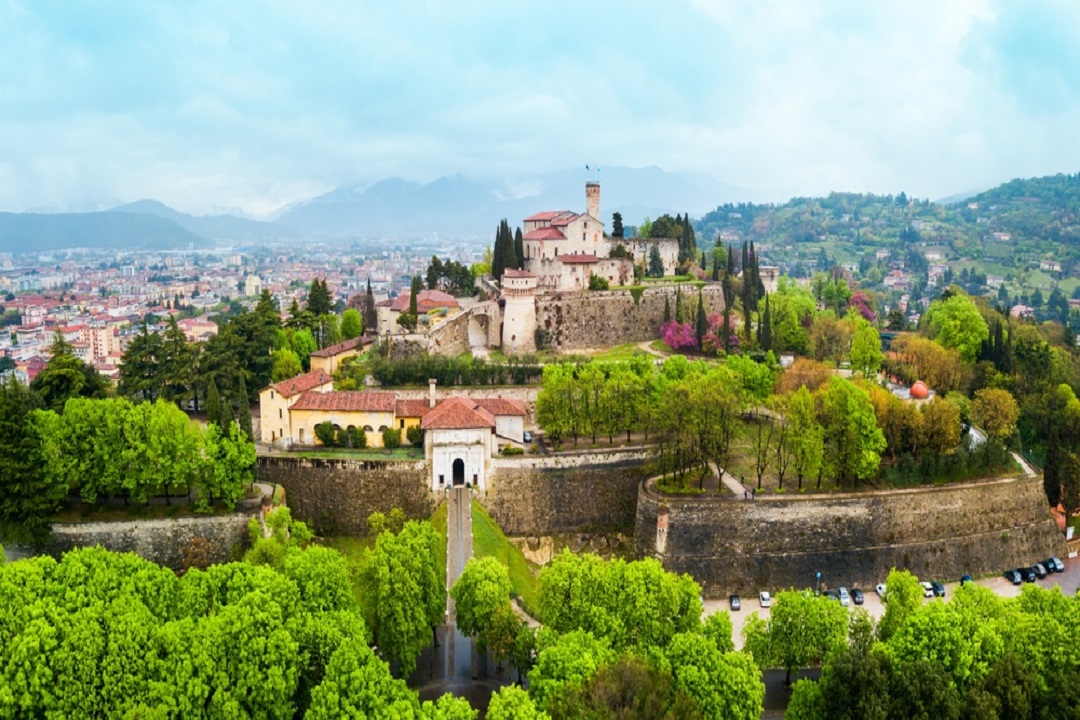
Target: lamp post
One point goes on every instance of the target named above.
(817, 587)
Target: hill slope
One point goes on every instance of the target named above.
(28, 232)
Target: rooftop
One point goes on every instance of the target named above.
(301, 383)
(347, 401)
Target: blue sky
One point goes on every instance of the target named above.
(243, 106)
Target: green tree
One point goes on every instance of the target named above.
(996, 411)
(177, 364)
(351, 324)
(319, 301)
(956, 323)
(66, 376)
(371, 316)
(570, 659)
(357, 685)
(853, 441)
(216, 412)
(482, 589)
(723, 685)
(616, 225)
(27, 496)
(803, 630)
(303, 344)
(243, 411)
(903, 596)
(656, 263)
(140, 367)
(513, 703)
(807, 434)
(866, 355)
(286, 365)
(628, 688)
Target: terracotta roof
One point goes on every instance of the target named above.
(518, 274)
(343, 346)
(347, 401)
(544, 233)
(425, 300)
(411, 408)
(503, 406)
(457, 413)
(578, 259)
(546, 215)
(301, 383)
(565, 219)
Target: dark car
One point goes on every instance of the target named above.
(1014, 577)
(527, 436)
(1039, 569)
(939, 589)
(832, 594)
(735, 603)
(966, 580)
(1053, 564)
(856, 596)
(1027, 573)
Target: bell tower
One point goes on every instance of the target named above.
(592, 199)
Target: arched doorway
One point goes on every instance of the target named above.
(459, 471)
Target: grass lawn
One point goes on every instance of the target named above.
(661, 346)
(489, 541)
(1069, 284)
(618, 353)
(372, 454)
(438, 521)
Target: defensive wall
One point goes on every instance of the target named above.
(775, 542)
(336, 496)
(599, 318)
(450, 337)
(172, 542)
(562, 493)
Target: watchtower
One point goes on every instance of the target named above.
(519, 312)
(592, 199)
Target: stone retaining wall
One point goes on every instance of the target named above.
(336, 496)
(776, 542)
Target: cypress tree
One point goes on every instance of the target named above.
(691, 239)
(765, 335)
(519, 249)
(616, 225)
(414, 290)
(498, 253)
(703, 260)
(682, 240)
(245, 410)
(667, 309)
(371, 315)
(731, 261)
(745, 260)
(510, 259)
(680, 313)
(700, 324)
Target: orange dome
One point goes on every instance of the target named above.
(919, 391)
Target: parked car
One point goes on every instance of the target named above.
(966, 580)
(735, 603)
(527, 437)
(831, 594)
(1014, 577)
(845, 596)
(927, 589)
(939, 589)
(764, 599)
(856, 596)
(1027, 573)
(1055, 563)
(880, 590)
(1039, 569)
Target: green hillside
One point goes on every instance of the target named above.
(27, 232)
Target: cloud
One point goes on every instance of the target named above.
(255, 105)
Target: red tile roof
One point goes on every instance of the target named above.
(457, 413)
(302, 383)
(503, 406)
(518, 274)
(544, 233)
(564, 219)
(578, 259)
(347, 401)
(343, 346)
(546, 215)
(425, 300)
(411, 408)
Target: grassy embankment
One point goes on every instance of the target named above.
(490, 541)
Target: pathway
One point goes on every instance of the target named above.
(459, 548)
(737, 488)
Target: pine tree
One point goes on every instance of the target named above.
(318, 301)
(519, 249)
(616, 225)
(244, 410)
(656, 263)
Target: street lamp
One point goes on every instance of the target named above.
(817, 588)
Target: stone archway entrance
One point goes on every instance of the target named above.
(459, 471)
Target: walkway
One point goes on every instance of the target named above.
(737, 488)
(459, 548)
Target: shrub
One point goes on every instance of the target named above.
(326, 433)
(512, 450)
(415, 436)
(598, 283)
(391, 438)
(358, 438)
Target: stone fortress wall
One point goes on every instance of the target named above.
(776, 542)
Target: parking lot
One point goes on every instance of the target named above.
(1068, 581)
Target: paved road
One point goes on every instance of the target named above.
(1069, 581)
(459, 548)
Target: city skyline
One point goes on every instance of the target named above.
(252, 107)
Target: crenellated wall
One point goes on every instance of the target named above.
(776, 542)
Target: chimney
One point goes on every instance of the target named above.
(592, 199)
(431, 392)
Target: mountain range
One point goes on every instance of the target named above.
(449, 206)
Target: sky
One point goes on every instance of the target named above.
(248, 107)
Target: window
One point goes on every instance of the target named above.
(271, 394)
(279, 415)
(402, 425)
(442, 479)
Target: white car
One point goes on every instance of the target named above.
(765, 599)
(927, 589)
(880, 590)
(845, 597)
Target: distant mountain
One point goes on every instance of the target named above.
(27, 232)
(455, 204)
(222, 228)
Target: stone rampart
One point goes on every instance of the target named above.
(600, 318)
(450, 337)
(545, 495)
(172, 542)
(776, 542)
(336, 496)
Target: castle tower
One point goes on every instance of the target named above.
(592, 199)
(519, 313)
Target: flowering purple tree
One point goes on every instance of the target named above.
(678, 335)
